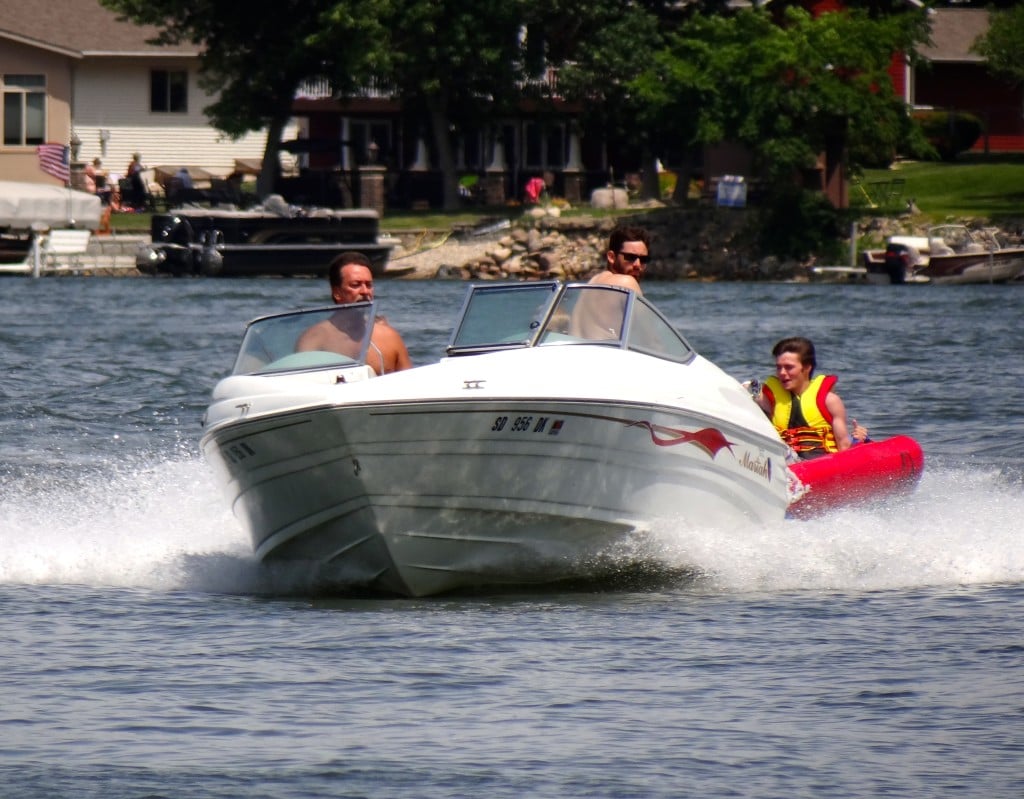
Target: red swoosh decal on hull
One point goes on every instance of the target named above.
(709, 439)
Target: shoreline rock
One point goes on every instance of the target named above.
(705, 243)
(686, 244)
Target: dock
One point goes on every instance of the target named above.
(110, 255)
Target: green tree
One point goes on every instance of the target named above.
(458, 64)
(1003, 45)
(254, 57)
(784, 90)
(601, 47)
(466, 64)
(788, 87)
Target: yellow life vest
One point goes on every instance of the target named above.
(807, 426)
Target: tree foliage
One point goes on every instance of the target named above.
(783, 90)
(654, 75)
(254, 57)
(457, 64)
(1003, 45)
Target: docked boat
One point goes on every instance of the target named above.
(563, 420)
(948, 254)
(272, 239)
(28, 210)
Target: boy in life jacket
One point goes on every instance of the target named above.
(808, 414)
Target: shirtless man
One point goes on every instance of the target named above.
(627, 257)
(352, 281)
(597, 315)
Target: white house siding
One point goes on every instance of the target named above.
(112, 94)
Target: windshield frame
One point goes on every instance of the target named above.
(508, 316)
(269, 343)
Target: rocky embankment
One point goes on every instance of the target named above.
(686, 244)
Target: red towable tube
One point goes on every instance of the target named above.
(864, 471)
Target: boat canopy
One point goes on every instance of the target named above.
(547, 313)
(25, 206)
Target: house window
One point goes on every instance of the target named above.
(360, 134)
(472, 151)
(544, 146)
(24, 110)
(168, 91)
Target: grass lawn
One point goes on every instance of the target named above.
(973, 186)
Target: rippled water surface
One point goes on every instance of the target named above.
(873, 652)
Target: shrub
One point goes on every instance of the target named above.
(798, 223)
(950, 132)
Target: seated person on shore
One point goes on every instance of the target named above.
(597, 316)
(809, 415)
(352, 281)
(91, 171)
(184, 178)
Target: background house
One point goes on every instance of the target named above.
(955, 79)
(495, 162)
(70, 70)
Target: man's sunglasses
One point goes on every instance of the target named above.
(632, 256)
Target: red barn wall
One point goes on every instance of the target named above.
(971, 88)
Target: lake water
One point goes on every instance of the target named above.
(872, 652)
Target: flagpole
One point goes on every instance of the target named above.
(75, 144)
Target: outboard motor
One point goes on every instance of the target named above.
(897, 262)
(211, 259)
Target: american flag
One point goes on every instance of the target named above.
(53, 160)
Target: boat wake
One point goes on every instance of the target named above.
(163, 526)
(957, 528)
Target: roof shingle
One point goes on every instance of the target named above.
(82, 26)
(954, 30)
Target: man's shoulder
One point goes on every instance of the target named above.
(609, 278)
(382, 328)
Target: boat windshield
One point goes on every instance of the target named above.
(513, 316)
(337, 336)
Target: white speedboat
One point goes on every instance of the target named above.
(563, 420)
(952, 254)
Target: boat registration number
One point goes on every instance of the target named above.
(527, 424)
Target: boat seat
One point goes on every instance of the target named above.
(65, 244)
(312, 359)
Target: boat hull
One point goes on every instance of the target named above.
(427, 496)
(950, 254)
(999, 267)
(863, 472)
(216, 243)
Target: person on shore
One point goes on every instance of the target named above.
(91, 170)
(351, 280)
(627, 256)
(809, 416)
(139, 192)
(96, 181)
(184, 178)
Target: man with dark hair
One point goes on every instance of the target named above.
(627, 256)
(598, 314)
(352, 281)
